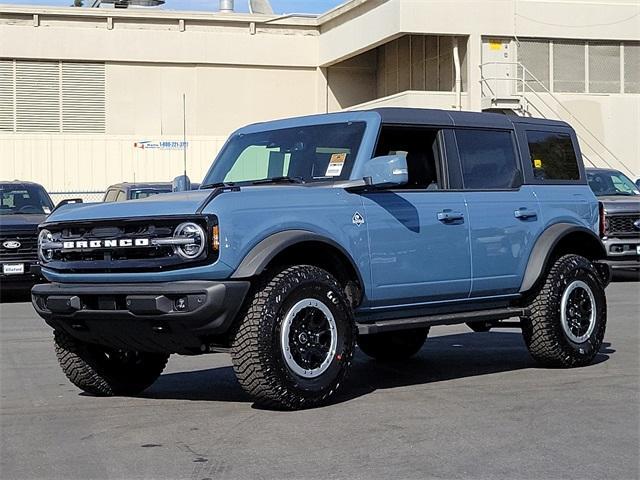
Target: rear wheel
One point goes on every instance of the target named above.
(294, 346)
(398, 345)
(102, 371)
(568, 316)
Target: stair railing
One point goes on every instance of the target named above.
(523, 86)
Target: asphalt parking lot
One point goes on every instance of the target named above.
(471, 405)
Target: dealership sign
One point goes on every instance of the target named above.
(161, 145)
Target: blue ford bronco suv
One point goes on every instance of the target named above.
(312, 235)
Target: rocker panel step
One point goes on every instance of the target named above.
(441, 319)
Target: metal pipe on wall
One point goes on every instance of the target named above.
(226, 6)
(456, 65)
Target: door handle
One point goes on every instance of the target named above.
(524, 214)
(449, 216)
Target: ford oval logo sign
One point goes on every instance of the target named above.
(637, 224)
(13, 244)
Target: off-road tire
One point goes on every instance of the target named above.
(257, 354)
(390, 346)
(104, 372)
(542, 330)
(479, 327)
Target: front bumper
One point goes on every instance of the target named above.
(30, 276)
(622, 253)
(176, 317)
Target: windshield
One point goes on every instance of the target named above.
(304, 154)
(611, 183)
(24, 199)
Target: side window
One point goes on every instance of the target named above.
(422, 150)
(488, 159)
(552, 156)
(122, 196)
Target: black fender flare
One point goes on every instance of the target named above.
(266, 250)
(541, 253)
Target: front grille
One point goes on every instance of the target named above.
(27, 250)
(108, 258)
(134, 231)
(623, 225)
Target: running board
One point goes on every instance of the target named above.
(442, 319)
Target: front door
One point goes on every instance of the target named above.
(419, 246)
(419, 233)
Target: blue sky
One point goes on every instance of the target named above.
(279, 6)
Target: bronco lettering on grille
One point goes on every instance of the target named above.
(119, 243)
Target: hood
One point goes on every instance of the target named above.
(178, 203)
(620, 203)
(21, 222)
(167, 204)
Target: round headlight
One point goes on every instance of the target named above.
(197, 240)
(45, 254)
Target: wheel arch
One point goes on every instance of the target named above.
(557, 240)
(303, 247)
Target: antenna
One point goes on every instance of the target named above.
(184, 132)
(260, 7)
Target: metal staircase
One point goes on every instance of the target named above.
(525, 95)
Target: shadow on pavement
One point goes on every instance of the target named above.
(442, 358)
(15, 296)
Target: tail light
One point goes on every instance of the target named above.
(604, 222)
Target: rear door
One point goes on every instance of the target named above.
(552, 167)
(504, 215)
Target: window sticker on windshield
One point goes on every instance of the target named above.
(537, 163)
(46, 210)
(335, 164)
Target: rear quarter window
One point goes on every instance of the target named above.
(552, 156)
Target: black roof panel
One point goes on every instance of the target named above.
(425, 116)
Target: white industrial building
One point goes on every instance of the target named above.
(90, 97)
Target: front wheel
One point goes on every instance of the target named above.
(568, 315)
(294, 346)
(104, 372)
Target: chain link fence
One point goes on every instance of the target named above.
(86, 197)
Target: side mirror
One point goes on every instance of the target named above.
(181, 184)
(388, 170)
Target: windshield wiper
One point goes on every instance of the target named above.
(216, 185)
(282, 179)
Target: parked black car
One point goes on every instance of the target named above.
(619, 216)
(23, 206)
